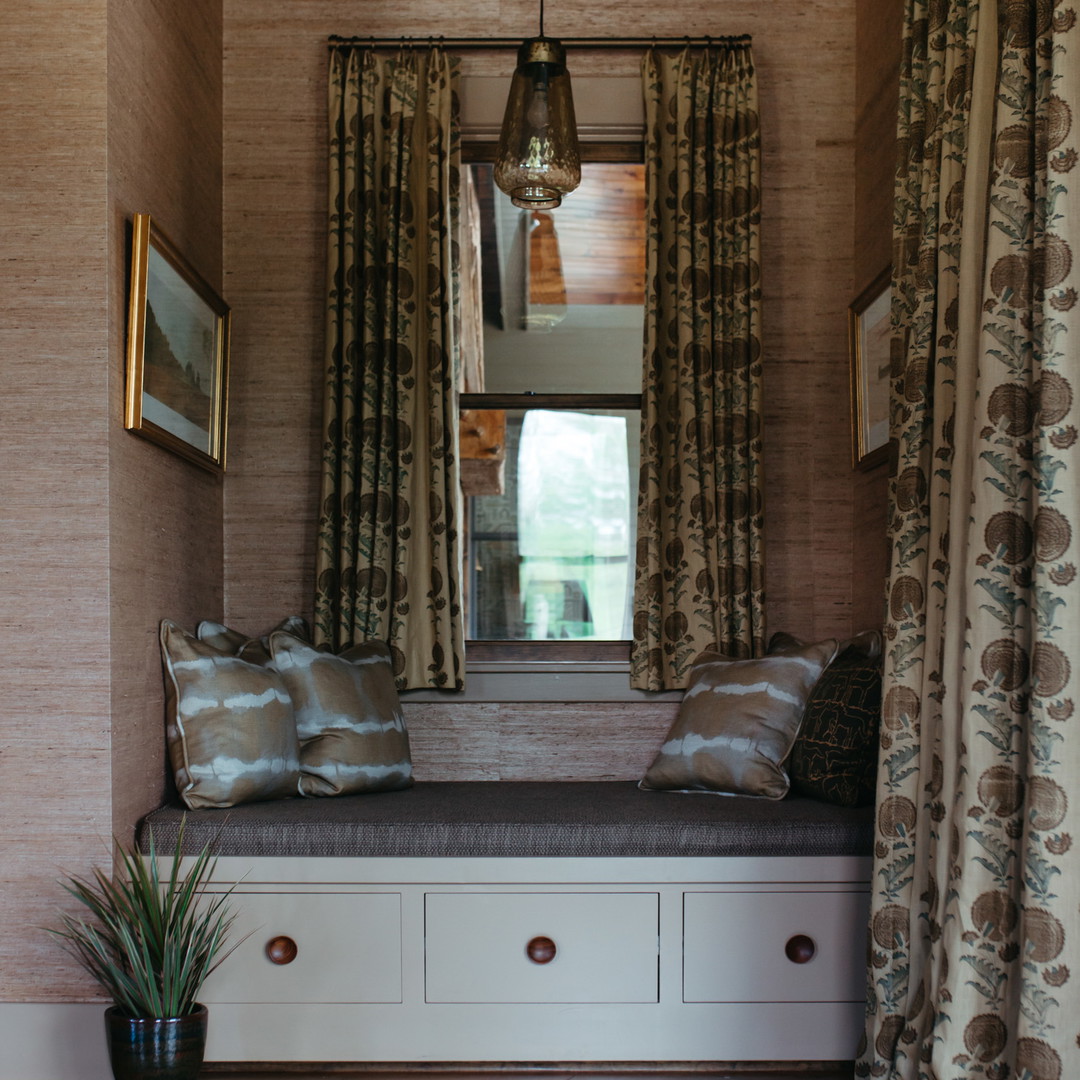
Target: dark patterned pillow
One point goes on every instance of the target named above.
(835, 755)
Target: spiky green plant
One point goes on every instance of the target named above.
(150, 942)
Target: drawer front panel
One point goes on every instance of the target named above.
(736, 946)
(347, 949)
(605, 947)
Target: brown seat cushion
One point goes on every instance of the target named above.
(517, 818)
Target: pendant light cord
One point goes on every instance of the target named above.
(541, 18)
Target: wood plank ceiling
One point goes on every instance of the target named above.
(592, 248)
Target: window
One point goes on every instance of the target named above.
(550, 529)
(550, 556)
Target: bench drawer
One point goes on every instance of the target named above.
(605, 947)
(737, 946)
(347, 949)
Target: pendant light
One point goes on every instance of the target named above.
(538, 161)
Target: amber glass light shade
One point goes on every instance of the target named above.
(538, 161)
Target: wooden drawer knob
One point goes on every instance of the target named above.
(800, 949)
(541, 950)
(281, 950)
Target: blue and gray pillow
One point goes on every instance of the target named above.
(230, 725)
(250, 719)
(348, 717)
(256, 650)
(738, 722)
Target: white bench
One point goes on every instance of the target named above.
(529, 922)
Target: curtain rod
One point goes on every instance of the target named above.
(514, 43)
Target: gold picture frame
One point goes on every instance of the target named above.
(869, 333)
(178, 352)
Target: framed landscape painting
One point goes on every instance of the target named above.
(870, 331)
(178, 352)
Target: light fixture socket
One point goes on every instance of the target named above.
(541, 50)
(538, 160)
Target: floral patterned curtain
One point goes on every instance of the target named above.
(388, 555)
(974, 958)
(700, 550)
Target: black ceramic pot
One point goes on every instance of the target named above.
(156, 1049)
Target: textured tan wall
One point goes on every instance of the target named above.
(530, 741)
(54, 618)
(275, 63)
(109, 106)
(878, 38)
(166, 534)
(275, 60)
(877, 85)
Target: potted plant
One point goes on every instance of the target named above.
(150, 942)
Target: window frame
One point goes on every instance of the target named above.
(569, 655)
(593, 650)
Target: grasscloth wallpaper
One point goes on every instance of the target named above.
(878, 33)
(275, 75)
(165, 517)
(210, 117)
(53, 564)
(109, 106)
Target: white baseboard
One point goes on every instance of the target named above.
(53, 1042)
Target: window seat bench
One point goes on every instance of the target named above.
(537, 922)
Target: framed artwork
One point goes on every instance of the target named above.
(870, 332)
(178, 352)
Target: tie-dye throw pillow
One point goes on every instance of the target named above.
(348, 716)
(254, 650)
(737, 723)
(230, 725)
